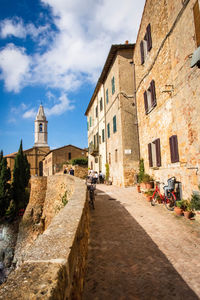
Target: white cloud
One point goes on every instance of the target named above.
(14, 67)
(16, 27)
(77, 52)
(30, 114)
(59, 108)
(61, 105)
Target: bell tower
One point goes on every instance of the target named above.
(41, 129)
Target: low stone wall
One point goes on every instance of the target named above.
(53, 267)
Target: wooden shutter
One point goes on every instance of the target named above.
(153, 93)
(173, 142)
(150, 155)
(158, 154)
(142, 52)
(149, 39)
(196, 13)
(145, 102)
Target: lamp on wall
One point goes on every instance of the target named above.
(196, 58)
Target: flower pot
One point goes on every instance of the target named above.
(178, 211)
(149, 198)
(138, 189)
(187, 214)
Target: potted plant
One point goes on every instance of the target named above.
(147, 180)
(179, 208)
(149, 195)
(187, 209)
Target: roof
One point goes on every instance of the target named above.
(53, 150)
(111, 55)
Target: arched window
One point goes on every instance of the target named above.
(40, 127)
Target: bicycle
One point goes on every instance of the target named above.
(91, 186)
(169, 197)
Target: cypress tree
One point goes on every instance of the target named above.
(5, 176)
(21, 176)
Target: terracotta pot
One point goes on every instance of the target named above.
(149, 198)
(148, 185)
(187, 214)
(138, 189)
(178, 211)
(143, 185)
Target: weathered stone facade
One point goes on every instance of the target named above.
(52, 265)
(54, 160)
(112, 126)
(176, 112)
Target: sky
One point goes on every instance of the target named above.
(52, 52)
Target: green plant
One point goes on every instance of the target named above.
(186, 205)
(146, 178)
(64, 198)
(79, 161)
(141, 170)
(107, 171)
(180, 204)
(195, 202)
(149, 193)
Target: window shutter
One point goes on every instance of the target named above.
(173, 142)
(145, 102)
(158, 154)
(153, 93)
(149, 39)
(196, 13)
(150, 155)
(142, 52)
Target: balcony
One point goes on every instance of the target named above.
(93, 149)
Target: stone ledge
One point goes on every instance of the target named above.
(53, 268)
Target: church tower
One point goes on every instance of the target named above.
(41, 129)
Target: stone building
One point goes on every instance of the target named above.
(167, 91)
(36, 154)
(54, 159)
(111, 117)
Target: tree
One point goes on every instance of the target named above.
(21, 176)
(5, 176)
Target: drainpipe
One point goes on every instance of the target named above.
(134, 92)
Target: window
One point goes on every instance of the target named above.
(154, 153)
(96, 111)
(108, 130)
(90, 121)
(87, 125)
(40, 127)
(146, 44)
(196, 13)
(150, 98)
(103, 135)
(116, 155)
(97, 138)
(113, 85)
(114, 124)
(69, 155)
(101, 104)
(94, 138)
(173, 142)
(107, 96)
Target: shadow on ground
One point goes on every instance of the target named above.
(123, 261)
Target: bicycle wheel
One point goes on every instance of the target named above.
(170, 201)
(155, 199)
(91, 201)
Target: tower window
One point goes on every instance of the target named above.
(40, 127)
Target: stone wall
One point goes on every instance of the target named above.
(177, 91)
(54, 264)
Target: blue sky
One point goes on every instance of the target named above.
(52, 52)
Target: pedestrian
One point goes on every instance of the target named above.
(71, 172)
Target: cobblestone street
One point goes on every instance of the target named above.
(137, 251)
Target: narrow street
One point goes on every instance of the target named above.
(140, 252)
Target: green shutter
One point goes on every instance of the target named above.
(113, 85)
(108, 130)
(107, 96)
(103, 136)
(114, 124)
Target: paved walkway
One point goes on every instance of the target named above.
(140, 252)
